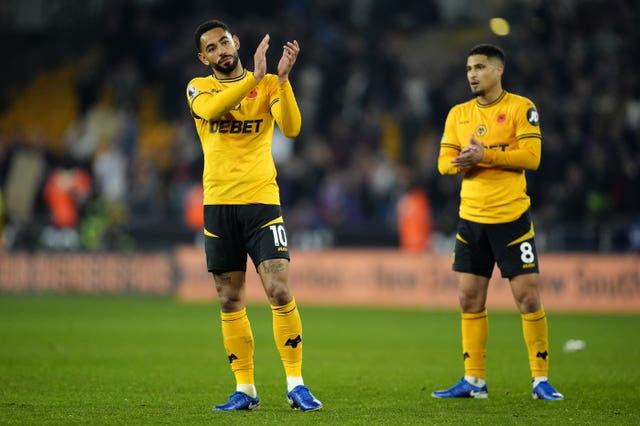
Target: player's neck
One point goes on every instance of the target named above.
(236, 72)
(490, 96)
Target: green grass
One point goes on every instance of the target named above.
(92, 360)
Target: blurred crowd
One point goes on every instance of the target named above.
(374, 82)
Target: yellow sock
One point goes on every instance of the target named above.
(475, 329)
(534, 329)
(287, 333)
(238, 342)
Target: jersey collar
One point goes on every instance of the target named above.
(501, 97)
(232, 79)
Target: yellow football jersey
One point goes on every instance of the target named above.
(235, 119)
(495, 190)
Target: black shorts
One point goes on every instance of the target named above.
(511, 245)
(234, 231)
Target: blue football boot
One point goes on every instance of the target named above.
(463, 389)
(546, 392)
(239, 401)
(301, 398)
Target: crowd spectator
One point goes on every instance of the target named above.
(373, 111)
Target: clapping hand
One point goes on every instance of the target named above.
(470, 155)
(289, 54)
(260, 59)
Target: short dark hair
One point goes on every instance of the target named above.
(206, 26)
(488, 50)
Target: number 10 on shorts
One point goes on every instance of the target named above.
(279, 235)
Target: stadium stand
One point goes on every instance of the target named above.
(373, 85)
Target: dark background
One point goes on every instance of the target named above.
(98, 87)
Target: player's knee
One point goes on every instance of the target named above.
(231, 297)
(471, 301)
(471, 304)
(526, 294)
(278, 293)
(528, 303)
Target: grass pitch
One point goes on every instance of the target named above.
(106, 360)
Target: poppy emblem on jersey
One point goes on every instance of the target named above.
(502, 118)
(252, 94)
(481, 130)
